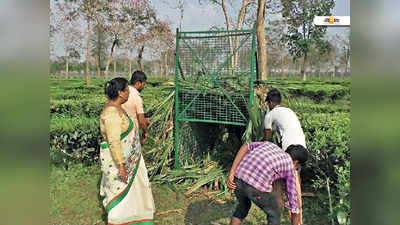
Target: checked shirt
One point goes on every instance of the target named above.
(264, 163)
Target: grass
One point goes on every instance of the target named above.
(74, 198)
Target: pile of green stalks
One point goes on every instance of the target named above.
(161, 136)
(192, 177)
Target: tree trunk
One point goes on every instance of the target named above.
(181, 8)
(240, 20)
(107, 68)
(344, 68)
(334, 62)
(130, 67)
(126, 53)
(66, 67)
(311, 66)
(319, 68)
(327, 65)
(125, 65)
(303, 67)
(98, 63)
(228, 27)
(166, 63)
(98, 68)
(160, 66)
(88, 52)
(261, 45)
(282, 66)
(115, 67)
(110, 58)
(347, 60)
(139, 59)
(299, 69)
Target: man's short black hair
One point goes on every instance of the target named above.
(298, 152)
(138, 76)
(273, 96)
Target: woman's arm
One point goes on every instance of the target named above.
(113, 126)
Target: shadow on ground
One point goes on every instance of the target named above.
(209, 212)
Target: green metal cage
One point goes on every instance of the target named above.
(214, 78)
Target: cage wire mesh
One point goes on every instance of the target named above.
(214, 74)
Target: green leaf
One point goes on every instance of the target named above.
(341, 217)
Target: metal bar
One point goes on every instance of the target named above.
(212, 121)
(180, 68)
(215, 31)
(176, 123)
(227, 35)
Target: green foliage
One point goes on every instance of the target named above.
(255, 126)
(343, 207)
(328, 141)
(72, 107)
(302, 34)
(77, 139)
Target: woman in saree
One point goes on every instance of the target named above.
(125, 184)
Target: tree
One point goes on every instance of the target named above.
(263, 6)
(274, 30)
(302, 33)
(261, 43)
(90, 9)
(65, 20)
(345, 57)
(161, 40)
(181, 7)
(126, 18)
(99, 46)
(324, 50)
(239, 23)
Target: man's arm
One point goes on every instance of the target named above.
(267, 126)
(267, 134)
(143, 122)
(291, 190)
(295, 219)
(239, 156)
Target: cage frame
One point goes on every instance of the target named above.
(178, 113)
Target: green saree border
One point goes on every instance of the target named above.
(123, 135)
(105, 145)
(142, 223)
(135, 223)
(122, 195)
